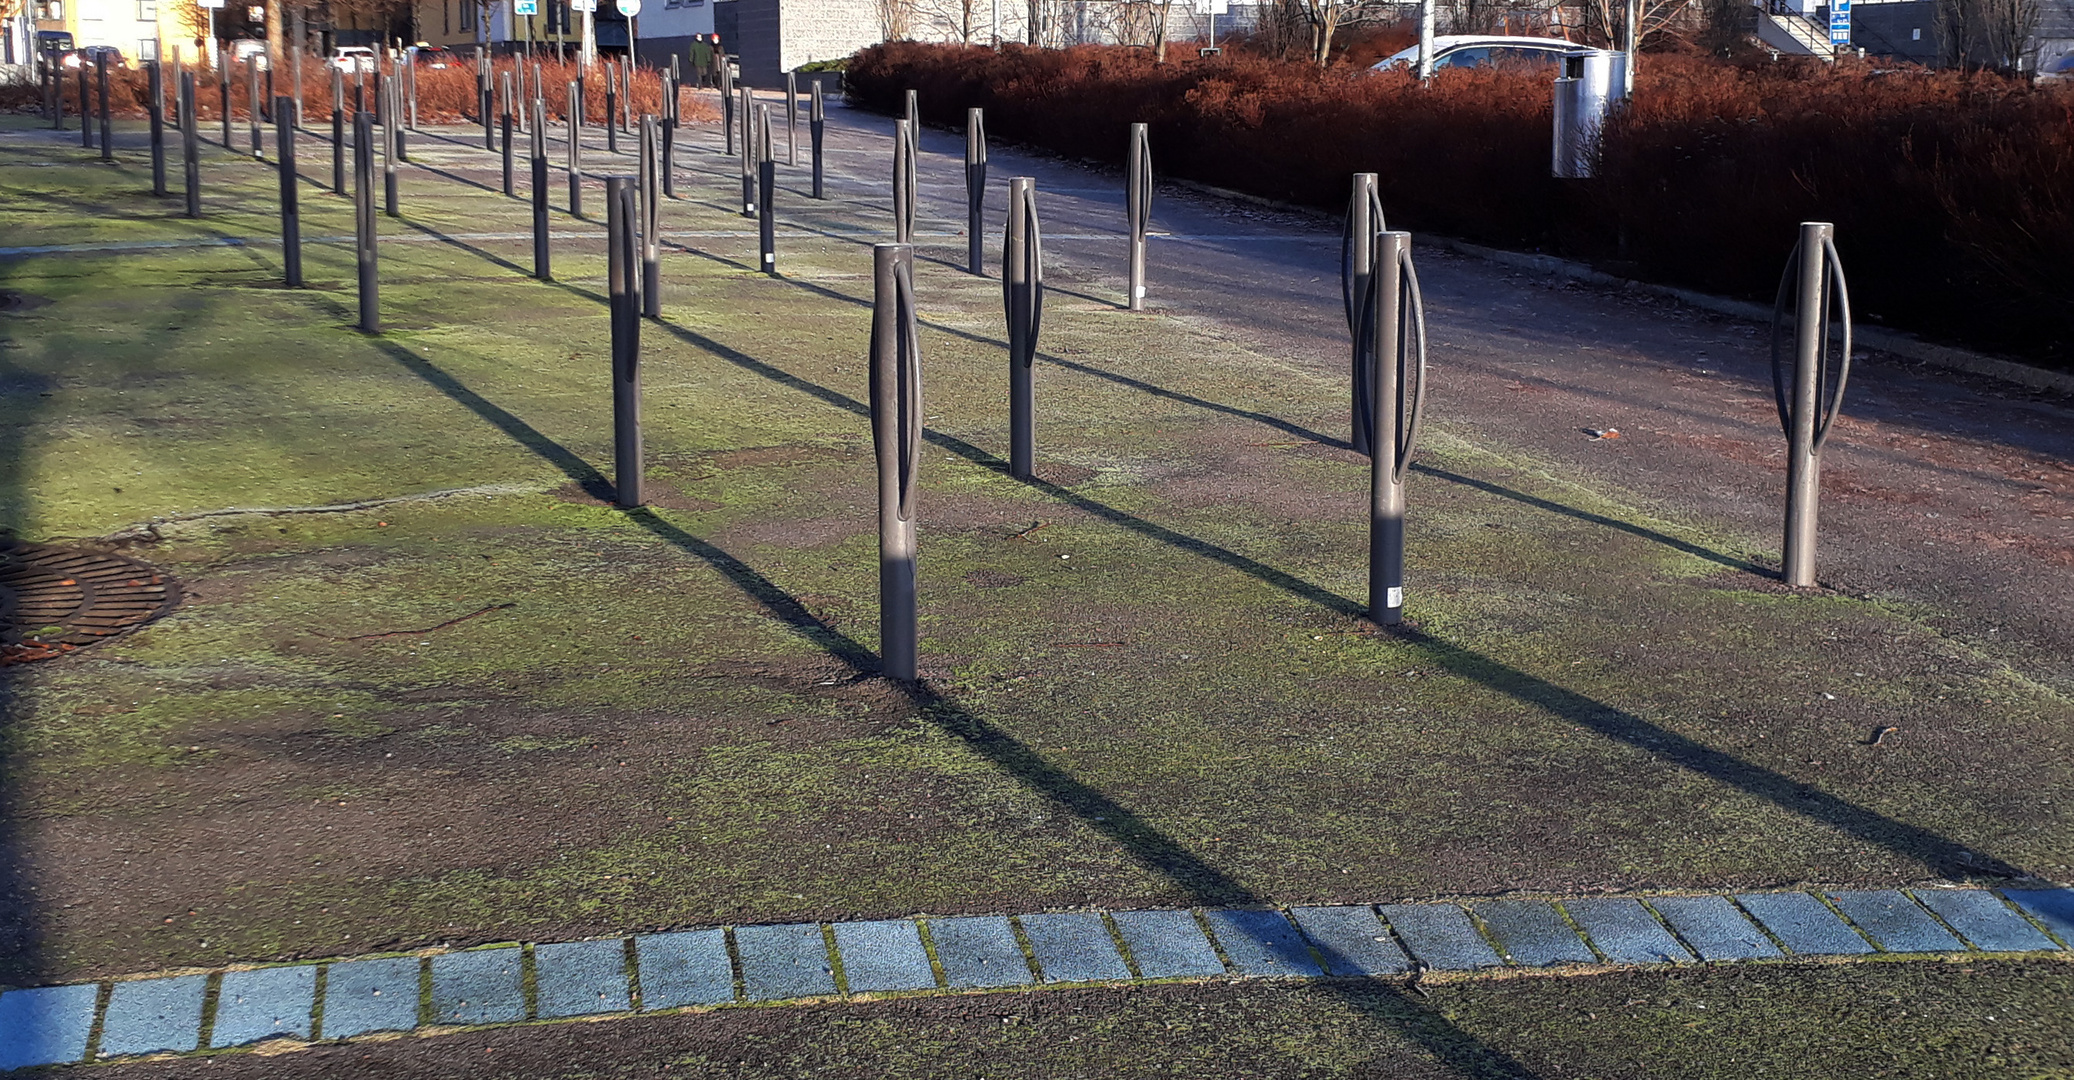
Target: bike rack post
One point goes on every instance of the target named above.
(672, 113)
(1356, 263)
(651, 217)
(1808, 408)
(575, 162)
(975, 188)
(903, 183)
(541, 267)
(727, 105)
(364, 221)
(1138, 208)
(1022, 296)
(291, 196)
(792, 119)
(896, 434)
(611, 108)
(252, 109)
(86, 115)
(295, 49)
(1394, 318)
(483, 105)
(766, 193)
(388, 96)
(817, 128)
(625, 307)
(156, 106)
(506, 120)
(747, 142)
(190, 150)
(222, 96)
(107, 117)
(338, 130)
(914, 118)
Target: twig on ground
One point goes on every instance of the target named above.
(429, 629)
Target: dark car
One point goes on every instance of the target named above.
(434, 56)
(90, 55)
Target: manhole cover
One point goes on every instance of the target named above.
(54, 600)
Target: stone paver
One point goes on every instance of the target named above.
(879, 956)
(1805, 924)
(979, 951)
(148, 1016)
(578, 978)
(1441, 936)
(1625, 932)
(1074, 946)
(370, 995)
(688, 968)
(264, 1003)
(2052, 907)
(1352, 940)
(1263, 944)
(780, 962)
(1532, 933)
(1714, 928)
(47, 1025)
(1983, 920)
(1894, 921)
(1167, 944)
(481, 987)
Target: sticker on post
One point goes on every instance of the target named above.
(1394, 596)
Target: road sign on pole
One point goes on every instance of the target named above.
(628, 8)
(1840, 22)
(525, 7)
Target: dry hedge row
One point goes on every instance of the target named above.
(1953, 193)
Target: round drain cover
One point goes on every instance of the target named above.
(54, 600)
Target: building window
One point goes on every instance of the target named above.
(147, 48)
(54, 11)
(467, 14)
(147, 10)
(1916, 34)
(446, 16)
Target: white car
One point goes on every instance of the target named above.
(351, 58)
(1484, 50)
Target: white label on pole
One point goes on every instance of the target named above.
(583, 5)
(628, 8)
(525, 7)
(1393, 596)
(770, 257)
(1141, 292)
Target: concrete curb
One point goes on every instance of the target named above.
(1898, 342)
(433, 991)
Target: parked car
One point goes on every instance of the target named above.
(1484, 50)
(89, 56)
(351, 58)
(435, 56)
(244, 50)
(53, 41)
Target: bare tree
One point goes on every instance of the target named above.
(1996, 34)
(896, 19)
(1603, 23)
(948, 20)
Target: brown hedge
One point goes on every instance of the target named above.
(1953, 193)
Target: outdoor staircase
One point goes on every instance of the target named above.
(1793, 34)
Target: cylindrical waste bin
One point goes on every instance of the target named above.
(1593, 83)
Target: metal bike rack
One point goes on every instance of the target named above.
(251, 107)
(291, 205)
(904, 183)
(1356, 259)
(792, 119)
(190, 149)
(388, 98)
(975, 188)
(622, 209)
(766, 194)
(541, 268)
(507, 123)
(1808, 407)
(1022, 296)
(1392, 318)
(156, 107)
(747, 142)
(338, 131)
(364, 222)
(575, 148)
(896, 433)
(817, 130)
(1138, 208)
(651, 146)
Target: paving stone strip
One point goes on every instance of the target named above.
(746, 965)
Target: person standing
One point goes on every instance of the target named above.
(701, 57)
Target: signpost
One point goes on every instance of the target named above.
(1839, 22)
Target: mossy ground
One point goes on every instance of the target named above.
(1148, 682)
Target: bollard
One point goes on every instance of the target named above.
(575, 163)
(611, 109)
(295, 35)
(541, 269)
(252, 110)
(505, 121)
(101, 79)
(914, 118)
(748, 145)
(359, 89)
(766, 194)
(385, 98)
(222, 99)
(625, 307)
(1393, 318)
(86, 113)
(338, 131)
(291, 203)
(792, 119)
(651, 218)
(975, 188)
(727, 107)
(190, 150)
(155, 106)
(1138, 208)
(483, 104)
(626, 100)
(363, 221)
(903, 183)
(1809, 407)
(817, 127)
(410, 87)
(896, 434)
(1022, 296)
(1356, 261)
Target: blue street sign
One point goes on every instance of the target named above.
(1839, 22)
(525, 7)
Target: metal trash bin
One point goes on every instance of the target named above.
(1594, 82)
